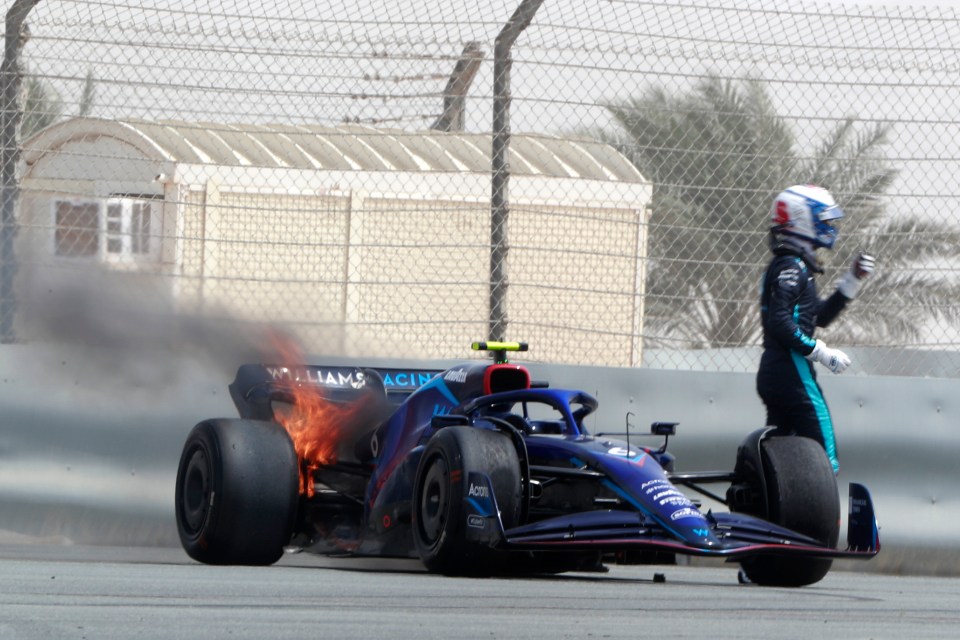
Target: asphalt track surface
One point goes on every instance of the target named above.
(51, 591)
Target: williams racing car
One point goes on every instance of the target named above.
(480, 470)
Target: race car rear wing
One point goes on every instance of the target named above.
(257, 386)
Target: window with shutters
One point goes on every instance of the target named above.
(121, 229)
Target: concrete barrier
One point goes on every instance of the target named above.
(89, 442)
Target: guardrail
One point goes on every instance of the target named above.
(89, 446)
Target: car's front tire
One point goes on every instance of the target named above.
(802, 496)
(237, 492)
(439, 521)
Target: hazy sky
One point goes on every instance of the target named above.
(386, 63)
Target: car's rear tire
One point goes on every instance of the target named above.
(801, 495)
(439, 521)
(237, 492)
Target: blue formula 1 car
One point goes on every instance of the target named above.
(479, 470)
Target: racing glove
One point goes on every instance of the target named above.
(833, 359)
(849, 283)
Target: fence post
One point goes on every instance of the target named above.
(500, 167)
(11, 113)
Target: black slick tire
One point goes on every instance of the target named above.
(237, 492)
(802, 496)
(439, 521)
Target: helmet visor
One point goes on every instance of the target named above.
(823, 215)
(827, 213)
(826, 233)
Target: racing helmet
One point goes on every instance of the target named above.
(803, 215)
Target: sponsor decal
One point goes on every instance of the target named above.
(326, 377)
(441, 409)
(456, 375)
(789, 278)
(622, 453)
(685, 513)
(668, 492)
(282, 373)
(406, 379)
(475, 521)
(702, 532)
(478, 491)
(676, 501)
(654, 483)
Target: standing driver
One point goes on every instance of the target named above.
(801, 222)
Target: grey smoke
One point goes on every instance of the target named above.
(127, 327)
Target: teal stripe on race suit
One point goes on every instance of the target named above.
(819, 406)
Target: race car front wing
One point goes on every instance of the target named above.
(738, 535)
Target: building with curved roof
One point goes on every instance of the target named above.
(383, 234)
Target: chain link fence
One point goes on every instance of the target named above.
(396, 179)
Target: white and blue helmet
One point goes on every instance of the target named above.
(804, 215)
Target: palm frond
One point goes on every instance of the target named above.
(716, 156)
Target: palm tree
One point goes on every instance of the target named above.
(716, 157)
(902, 296)
(42, 105)
(87, 94)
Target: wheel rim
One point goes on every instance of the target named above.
(433, 501)
(196, 491)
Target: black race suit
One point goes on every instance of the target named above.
(790, 310)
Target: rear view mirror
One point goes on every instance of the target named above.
(663, 428)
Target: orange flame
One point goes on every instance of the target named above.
(316, 424)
